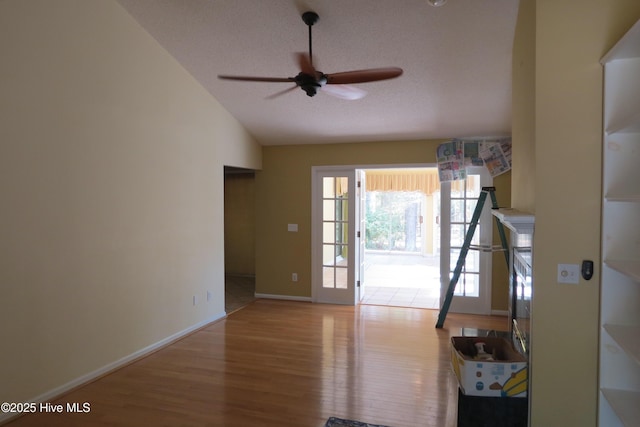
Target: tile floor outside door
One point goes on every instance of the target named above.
(402, 279)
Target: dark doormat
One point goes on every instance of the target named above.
(339, 422)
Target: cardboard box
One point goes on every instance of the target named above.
(505, 376)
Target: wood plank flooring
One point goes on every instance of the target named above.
(283, 363)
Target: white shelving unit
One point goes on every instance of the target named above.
(515, 220)
(619, 400)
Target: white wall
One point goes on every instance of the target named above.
(111, 192)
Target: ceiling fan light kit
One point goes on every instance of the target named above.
(311, 80)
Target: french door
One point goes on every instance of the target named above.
(473, 290)
(338, 238)
(336, 268)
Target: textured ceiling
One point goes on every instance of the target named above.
(456, 60)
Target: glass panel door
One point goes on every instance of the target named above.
(335, 232)
(464, 197)
(473, 290)
(334, 238)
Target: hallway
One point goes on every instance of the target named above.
(239, 291)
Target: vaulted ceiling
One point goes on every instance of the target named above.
(456, 60)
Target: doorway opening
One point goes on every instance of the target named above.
(402, 237)
(239, 238)
(372, 246)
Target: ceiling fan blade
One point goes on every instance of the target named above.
(362, 76)
(305, 65)
(344, 92)
(282, 92)
(259, 79)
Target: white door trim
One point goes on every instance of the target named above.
(316, 232)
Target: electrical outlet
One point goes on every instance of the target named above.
(294, 277)
(569, 273)
(209, 295)
(195, 300)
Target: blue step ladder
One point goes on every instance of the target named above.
(467, 245)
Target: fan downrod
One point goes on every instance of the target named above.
(310, 18)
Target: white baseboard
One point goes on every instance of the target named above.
(91, 376)
(283, 297)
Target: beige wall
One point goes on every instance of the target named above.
(283, 196)
(111, 179)
(523, 175)
(562, 77)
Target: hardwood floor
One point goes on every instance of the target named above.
(283, 363)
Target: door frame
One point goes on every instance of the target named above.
(316, 232)
(361, 217)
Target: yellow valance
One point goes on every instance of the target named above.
(424, 180)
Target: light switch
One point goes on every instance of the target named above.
(292, 227)
(569, 273)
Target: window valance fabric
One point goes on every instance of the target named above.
(424, 180)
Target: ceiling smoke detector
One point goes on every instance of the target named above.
(436, 3)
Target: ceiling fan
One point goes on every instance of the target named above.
(310, 80)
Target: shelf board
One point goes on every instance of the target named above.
(628, 268)
(626, 404)
(630, 124)
(633, 198)
(627, 47)
(515, 220)
(627, 338)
